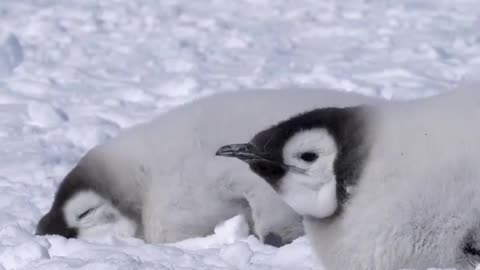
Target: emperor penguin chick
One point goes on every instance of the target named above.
(161, 180)
(384, 187)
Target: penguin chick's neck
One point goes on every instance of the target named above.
(353, 138)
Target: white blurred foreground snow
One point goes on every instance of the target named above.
(73, 73)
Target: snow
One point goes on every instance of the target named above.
(74, 73)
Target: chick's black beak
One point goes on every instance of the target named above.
(260, 163)
(245, 151)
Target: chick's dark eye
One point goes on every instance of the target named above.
(308, 156)
(84, 214)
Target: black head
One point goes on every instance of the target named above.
(81, 210)
(54, 222)
(310, 159)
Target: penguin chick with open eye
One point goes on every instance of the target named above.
(384, 187)
(160, 181)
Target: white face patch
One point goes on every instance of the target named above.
(314, 192)
(319, 203)
(95, 217)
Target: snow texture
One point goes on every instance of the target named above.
(73, 73)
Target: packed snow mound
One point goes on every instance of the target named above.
(229, 248)
(73, 73)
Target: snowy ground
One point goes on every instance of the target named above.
(73, 73)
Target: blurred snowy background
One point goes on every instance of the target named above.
(73, 73)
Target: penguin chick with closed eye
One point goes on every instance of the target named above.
(160, 181)
(384, 187)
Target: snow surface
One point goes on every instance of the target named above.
(73, 73)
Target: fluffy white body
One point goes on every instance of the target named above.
(166, 181)
(414, 203)
(417, 203)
